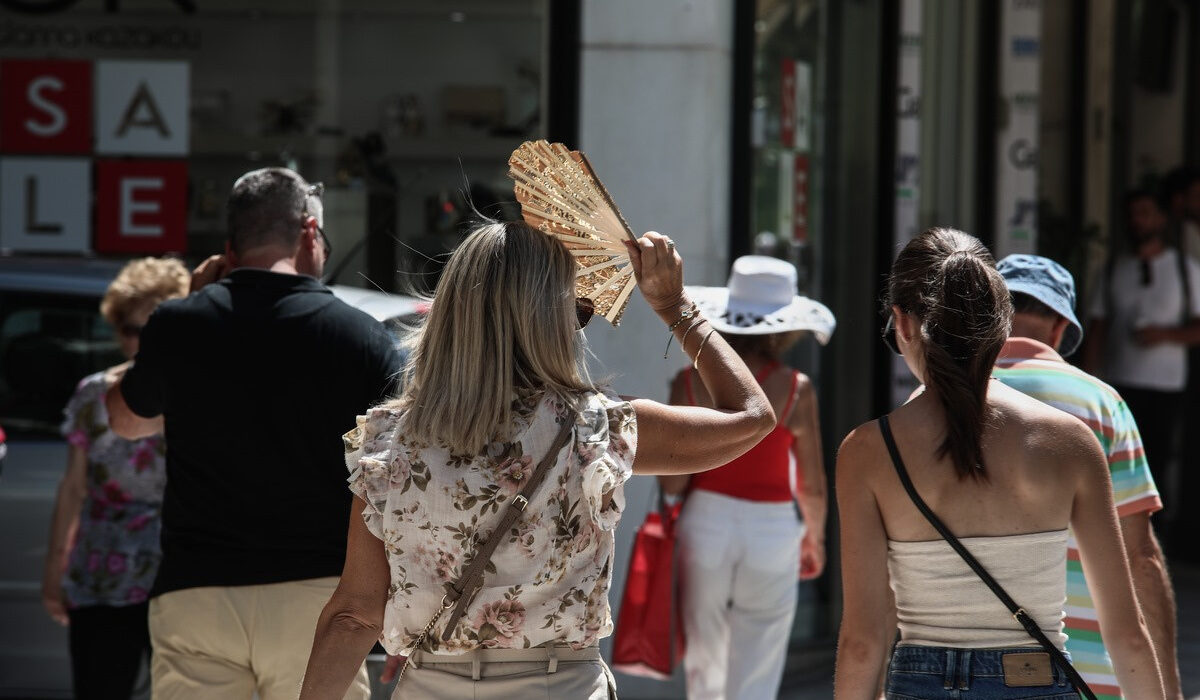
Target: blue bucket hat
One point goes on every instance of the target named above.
(1050, 283)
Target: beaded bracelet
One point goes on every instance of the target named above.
(683, 316)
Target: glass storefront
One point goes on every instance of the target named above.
(406, 110)
(787, 150)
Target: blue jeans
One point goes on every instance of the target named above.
(926, 673)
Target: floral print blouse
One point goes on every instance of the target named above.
(116, 552)
(549, 578)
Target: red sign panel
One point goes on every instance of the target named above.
(141, 206)
(47, 106)
(787, 103)
(800, 198)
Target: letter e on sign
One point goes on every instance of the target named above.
(141, 206)
(47, 106)
(142, 108)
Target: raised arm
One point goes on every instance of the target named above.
(689, 439)
(863, 639)
(1094, 522)
(675, 484)
(353, 618)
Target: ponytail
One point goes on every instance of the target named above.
(949, 281)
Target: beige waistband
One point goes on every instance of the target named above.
(549, 655)
(491, 656)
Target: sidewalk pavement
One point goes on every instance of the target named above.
(815, 681)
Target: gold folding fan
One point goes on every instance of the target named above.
(561, 195)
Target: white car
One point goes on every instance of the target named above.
(51, 336)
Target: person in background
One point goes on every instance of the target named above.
(256, 376)
(1144, 316)
(741, 538)
(1006, 473)
(1181, 199)
(104, 550)
(1044, 325)
(497, 392)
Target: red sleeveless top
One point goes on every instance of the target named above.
(762, 474)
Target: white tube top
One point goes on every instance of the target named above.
(941, 602)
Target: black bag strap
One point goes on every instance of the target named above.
(1017, 611)
(460, 593)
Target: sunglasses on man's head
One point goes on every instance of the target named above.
(889, 335)
(584, 309)
(317, 189)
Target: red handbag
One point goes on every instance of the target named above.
(649, 633)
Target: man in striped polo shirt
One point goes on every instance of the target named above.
(1044, 299)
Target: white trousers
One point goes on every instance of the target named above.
(738, 562)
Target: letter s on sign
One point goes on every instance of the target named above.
(58, 118)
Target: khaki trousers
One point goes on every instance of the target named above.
(229, 642)
(509, 674)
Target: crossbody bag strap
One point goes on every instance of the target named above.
(1017, 611)
(459, 593)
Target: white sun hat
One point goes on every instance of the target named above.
(761, 299)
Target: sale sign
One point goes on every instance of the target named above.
(47, 107)
(141, 206)
(115, 108)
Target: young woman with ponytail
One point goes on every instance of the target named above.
(1006, 474)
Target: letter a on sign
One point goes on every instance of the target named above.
(152, 118)
(47, 107)
(142, 108)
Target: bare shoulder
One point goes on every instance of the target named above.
(785, 381)
(1043, 428)
(804, 385)
(860, 451)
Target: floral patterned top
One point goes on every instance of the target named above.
(548, 580)
(116, 551)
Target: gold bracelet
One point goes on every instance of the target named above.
(683, 316)
(696, 362)
(683, 341)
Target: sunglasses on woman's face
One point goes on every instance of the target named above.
(584, 308)
(889, 335)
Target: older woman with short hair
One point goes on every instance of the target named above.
(103, 553)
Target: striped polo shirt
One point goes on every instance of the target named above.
(1035, 369)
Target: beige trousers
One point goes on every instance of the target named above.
(509, 674)
(229, 642)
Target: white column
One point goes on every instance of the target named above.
(1017, 137)
(655, 123)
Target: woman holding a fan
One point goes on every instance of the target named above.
(481, 541)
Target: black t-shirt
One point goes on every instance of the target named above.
(257, 378)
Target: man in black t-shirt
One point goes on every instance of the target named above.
(255, 378)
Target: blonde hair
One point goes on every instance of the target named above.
(502, 319)
(141, 281)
